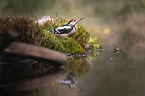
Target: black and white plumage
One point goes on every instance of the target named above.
(67, 29)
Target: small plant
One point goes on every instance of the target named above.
(94, 43)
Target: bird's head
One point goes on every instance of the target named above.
(74, 21)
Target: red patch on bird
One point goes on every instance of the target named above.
(72, 19)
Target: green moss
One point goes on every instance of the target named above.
(33, 33)
(78, 67)
(28, 30)
(54, 23)
(73, 45)
(82, 36)
(52, 42)
(62, 44)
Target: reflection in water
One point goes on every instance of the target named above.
(117, 50)
(27, 76)
(31, 75)
(26, 69)
(121, 76)
(78, 66)
(71, 81)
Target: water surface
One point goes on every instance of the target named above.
(110, 74)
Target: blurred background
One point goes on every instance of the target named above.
(119, 23)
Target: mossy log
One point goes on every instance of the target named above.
(35, 34)
(9, 47)
(30, 51)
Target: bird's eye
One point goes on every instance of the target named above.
(74, 20)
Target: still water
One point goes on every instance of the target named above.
(110, 73)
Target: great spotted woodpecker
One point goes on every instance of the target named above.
(67, 29)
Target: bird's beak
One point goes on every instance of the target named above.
(80, 19)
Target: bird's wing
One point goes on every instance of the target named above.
(62, 30)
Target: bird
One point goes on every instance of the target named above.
(68, 29)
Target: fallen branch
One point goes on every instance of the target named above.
(35, 52)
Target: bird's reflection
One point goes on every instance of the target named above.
(71, 82)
